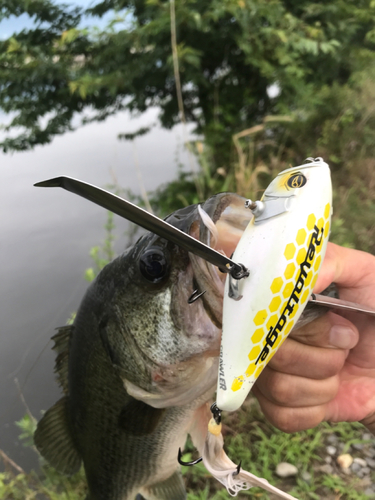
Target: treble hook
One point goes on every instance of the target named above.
(238, 468)
(195, 296)
(193, 462)
(216, 414)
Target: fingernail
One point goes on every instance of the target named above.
(341, 337)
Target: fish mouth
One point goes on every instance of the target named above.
(222, 220)
(182, 359)
(219, 223)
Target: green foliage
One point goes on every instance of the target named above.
(229, 53)
(48, 484)
(248, 437)
(51, 486)
(260, 447)
(318, 57)
(338, 123)
(131, 136)
(248, 175)
(27, 424)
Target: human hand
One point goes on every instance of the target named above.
(325, 371)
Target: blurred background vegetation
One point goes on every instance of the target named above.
(265, 83)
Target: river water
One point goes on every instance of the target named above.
(44, 250)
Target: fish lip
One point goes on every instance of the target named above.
(229, 213)
(230, 218)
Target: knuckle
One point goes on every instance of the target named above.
(291, 420)
(286, 356)
(335, 362)
(285, 420)
(281, 388)
(282, 356)
(330, 389)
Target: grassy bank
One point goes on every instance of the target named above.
(249, 438)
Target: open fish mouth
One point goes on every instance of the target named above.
(222, 220)
(227, 213)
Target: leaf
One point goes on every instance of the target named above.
(82, 89)
(71, 35)
(132, 135)
(282, 36)
(89, 274)
(13, 45)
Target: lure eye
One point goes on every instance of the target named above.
(153, 264)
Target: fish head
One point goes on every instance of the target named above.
(165, 347)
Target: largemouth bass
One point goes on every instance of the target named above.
(140, 362)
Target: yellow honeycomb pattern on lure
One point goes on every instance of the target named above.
(290, 291)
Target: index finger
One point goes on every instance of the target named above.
(352, 270)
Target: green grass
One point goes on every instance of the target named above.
(260, 447)
(249, 438)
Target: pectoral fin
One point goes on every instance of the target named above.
(54, 441)
(139, 419)
(172, 488)
(61, 347)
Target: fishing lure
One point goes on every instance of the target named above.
(283, 248)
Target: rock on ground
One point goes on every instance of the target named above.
(345, 461)
(284, 469)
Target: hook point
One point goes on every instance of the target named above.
(193, 462)
(238, 468)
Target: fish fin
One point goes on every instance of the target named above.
(172, 488)
(61, 347)
(54, 441)
(138, 418)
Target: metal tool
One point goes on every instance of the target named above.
(342, 305)
(135, 214)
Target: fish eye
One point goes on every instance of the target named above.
(153, 264)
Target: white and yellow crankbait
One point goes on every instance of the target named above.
(283, 248)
